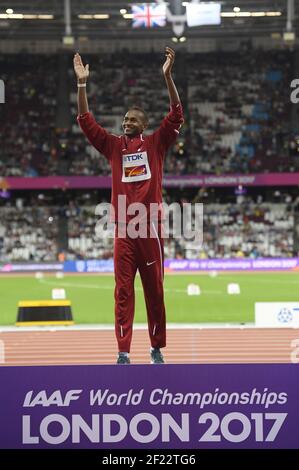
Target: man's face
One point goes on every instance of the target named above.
(133, 123)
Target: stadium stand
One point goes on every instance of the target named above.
(248, 229)
(18, 240)
(241, 128)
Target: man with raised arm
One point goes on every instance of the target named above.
(137, 167)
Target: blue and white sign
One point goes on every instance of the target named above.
(277, 314)
(89, 266)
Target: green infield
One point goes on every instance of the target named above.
(93, 302)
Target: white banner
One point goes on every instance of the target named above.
(199, 14)
(277, 314)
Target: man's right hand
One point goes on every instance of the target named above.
(81, 72)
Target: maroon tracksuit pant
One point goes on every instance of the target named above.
(146, 255)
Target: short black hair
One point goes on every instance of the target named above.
(141, 110)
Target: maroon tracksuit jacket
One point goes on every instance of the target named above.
(137, 169)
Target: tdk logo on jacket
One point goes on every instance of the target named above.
(133, 157)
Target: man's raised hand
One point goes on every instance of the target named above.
(81, 72)
(167, 66)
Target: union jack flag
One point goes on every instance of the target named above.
(148, 15)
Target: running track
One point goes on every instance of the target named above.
(186, 345)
